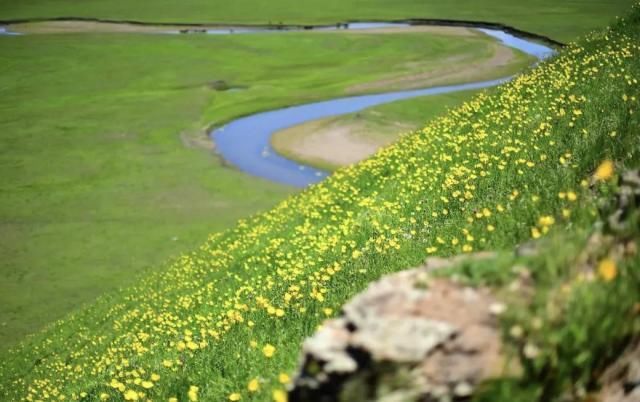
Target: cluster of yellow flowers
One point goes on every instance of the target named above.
(502, 166)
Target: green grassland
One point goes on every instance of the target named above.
(490, 174)
(105, 166)
(560, 20)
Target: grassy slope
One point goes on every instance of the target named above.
(481, 177)
(98, 184)
(562, 21)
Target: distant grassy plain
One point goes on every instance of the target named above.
(561, 20)
(105, 169)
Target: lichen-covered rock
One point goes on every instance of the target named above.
(408, 337)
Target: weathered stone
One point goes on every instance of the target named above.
(402, 340)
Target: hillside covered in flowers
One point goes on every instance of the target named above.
(225, 321)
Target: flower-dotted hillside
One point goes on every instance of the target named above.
(225, 321)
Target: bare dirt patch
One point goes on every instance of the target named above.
(335, 142)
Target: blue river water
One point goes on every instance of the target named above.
(245, 142)
(6, 32)
(262, 30)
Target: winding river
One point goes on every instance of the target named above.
(245, 142)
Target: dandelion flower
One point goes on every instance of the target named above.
(279, 396)
(284, 378)
(269, 350)
(193, 393)
(254, 385)
(130, 395)
(535, 233)
(607, 269)
(546, 221)
(604, 171)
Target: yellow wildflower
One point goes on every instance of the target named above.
(254, 385)
(546, 221)
(607, 269)
(284, 378)
(269, 350)
(535, 233)
(193, 393)
(279, 396)
(604, 171)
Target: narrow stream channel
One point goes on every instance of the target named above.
(245, 142)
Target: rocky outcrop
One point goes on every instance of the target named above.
(414, 336)
(408, 337)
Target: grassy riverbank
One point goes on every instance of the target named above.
(225, 321)
(547, 17)
(105, 166)
(316, 143)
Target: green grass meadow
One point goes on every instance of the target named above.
(105, 167)
(533, 160)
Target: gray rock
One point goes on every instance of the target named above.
(408, 337)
